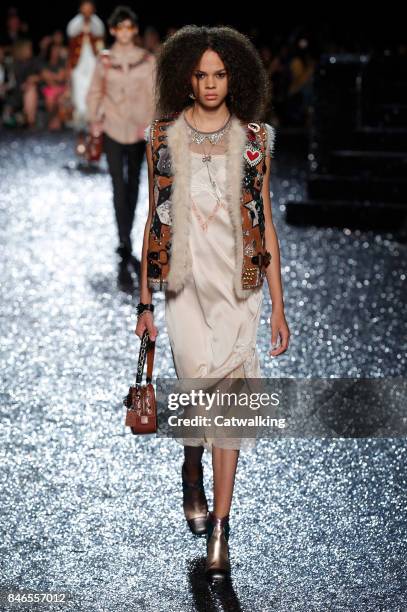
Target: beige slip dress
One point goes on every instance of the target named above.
(212, 332)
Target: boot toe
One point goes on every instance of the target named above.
(198, 525)
(217, 574)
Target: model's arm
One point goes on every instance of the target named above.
(145, 292)
(94, 97)
(146, 320)
(279, 327)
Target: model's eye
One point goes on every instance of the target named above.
(221, 75)
(199, 75)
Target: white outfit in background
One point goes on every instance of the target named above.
(81, 75)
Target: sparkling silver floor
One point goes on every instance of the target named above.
(90, 510)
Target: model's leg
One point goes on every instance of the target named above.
(224, 462)
(114, 155)
(136, 153)
(194, 499)
(193, 462)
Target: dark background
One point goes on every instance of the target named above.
(272, 23)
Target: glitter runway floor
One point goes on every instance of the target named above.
(89, 509)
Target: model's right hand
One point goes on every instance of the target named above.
(96, 128)
(146, 321)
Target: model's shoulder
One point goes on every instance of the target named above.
(165, 120)
(161, 122)
(267, 130)
(156, 123)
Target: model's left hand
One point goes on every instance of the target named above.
(279, 330)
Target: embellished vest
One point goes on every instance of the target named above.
(168, 254)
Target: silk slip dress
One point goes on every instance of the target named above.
(212, 332)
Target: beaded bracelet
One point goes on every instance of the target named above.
(143, 308)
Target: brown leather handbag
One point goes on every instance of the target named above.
(140, 401)
(94, 147)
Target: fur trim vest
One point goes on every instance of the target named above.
(168, 255)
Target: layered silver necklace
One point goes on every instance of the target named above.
(214, 137)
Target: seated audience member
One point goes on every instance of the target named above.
(54, 76)
(26, 71)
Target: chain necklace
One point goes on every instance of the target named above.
(207, 157)
(214, 138)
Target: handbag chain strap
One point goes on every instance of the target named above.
(147, 349)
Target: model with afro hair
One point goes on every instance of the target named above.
(211, 95)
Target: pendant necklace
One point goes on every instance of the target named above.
(214, 138)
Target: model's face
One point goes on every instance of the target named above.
(124, 32)
(210, 80)
(87, 9)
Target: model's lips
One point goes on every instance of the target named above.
(210, 96)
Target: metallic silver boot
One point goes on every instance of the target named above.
(217, 538)
(194, 503)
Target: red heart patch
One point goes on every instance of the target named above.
(252, 155)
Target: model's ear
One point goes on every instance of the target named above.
(112, 31)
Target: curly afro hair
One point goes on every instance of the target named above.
(248, 84)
